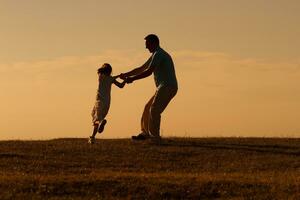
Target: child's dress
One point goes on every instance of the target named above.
(102, 104)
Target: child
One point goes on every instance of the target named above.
(102, 104)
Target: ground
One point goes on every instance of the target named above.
(178, 168)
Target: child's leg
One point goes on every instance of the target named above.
(96, 125)
(102, 125)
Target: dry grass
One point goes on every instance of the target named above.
(206, 168)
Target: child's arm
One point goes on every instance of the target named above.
(117, 83)
(115, 77)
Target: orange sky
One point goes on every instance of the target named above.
(237, 63)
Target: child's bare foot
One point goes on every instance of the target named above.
(101, 127)
(92, 140)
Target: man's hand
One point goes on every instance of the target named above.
(122, 76)
(128, 80)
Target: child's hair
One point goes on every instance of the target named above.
(105, 69)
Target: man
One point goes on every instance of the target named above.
(161, 65)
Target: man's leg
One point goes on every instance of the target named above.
(145, 117)
(144, 122)
(162, 98)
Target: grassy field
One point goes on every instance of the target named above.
(179, 168)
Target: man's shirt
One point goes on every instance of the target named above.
(164, 72)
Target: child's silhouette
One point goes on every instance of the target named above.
(102, 104)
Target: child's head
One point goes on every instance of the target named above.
(105, 69)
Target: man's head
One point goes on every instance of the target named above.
(152, 42)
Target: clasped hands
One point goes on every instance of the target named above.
(126, 78)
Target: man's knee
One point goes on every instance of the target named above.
(154, 111)
(148, 105)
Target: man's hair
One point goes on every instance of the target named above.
(152, 38)
(105, 69)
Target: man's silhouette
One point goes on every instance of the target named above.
(161, 65)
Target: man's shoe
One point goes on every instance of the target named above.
(140, 136)
(156, 140)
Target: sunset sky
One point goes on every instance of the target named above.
(237, 64)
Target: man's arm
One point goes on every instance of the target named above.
(142, 75)
(136, 71)
(155, 61)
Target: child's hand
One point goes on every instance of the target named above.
(123, 84)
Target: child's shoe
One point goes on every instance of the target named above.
(101, 126)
